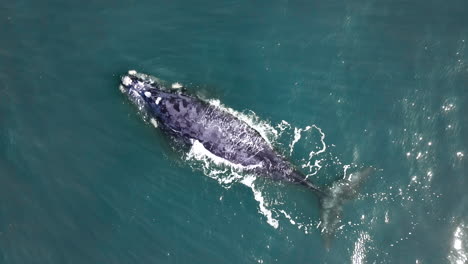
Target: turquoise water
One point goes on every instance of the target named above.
(84, 180)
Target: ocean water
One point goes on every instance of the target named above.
(363, 83)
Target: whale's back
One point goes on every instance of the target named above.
(220, 132)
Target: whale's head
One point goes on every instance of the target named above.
(139, 88)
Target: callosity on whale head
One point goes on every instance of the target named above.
(140, 88)
(138, 83)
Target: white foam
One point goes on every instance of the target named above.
(283, 126)
(297, 136)
(249, 181)
(154, 122)
(121, 88)
(132, 72)
(359, 252)
(345, 171)
(315, 166)
(177, 85)
(459, 253)
(457, 243)
(322, 140)
(288, 217)
(199, 151)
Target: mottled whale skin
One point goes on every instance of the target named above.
(191, 119)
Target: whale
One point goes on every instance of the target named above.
(188, 120)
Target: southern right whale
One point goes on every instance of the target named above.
(190, 120)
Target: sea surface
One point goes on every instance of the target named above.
(334, 85)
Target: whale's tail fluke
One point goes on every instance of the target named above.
(333, 198)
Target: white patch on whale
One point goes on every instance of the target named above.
(126, 81)
(148, 94)
(132, 72)
(157, 100)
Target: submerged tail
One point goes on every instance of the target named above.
(333, 198)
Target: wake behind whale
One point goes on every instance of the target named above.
(224, 138)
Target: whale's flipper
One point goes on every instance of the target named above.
(333, 198)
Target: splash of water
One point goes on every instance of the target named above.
(459, 252)
(359, 252)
